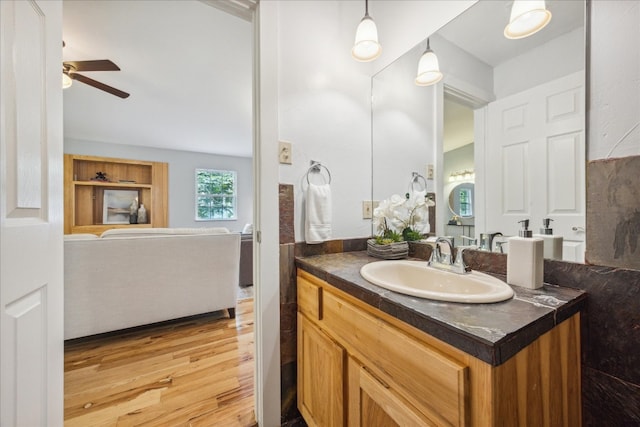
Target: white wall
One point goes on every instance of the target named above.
(463, 71)
(324, 96)
(182, 166)
(402, 127)
(545, 63)
(324, 107)
(614, 107)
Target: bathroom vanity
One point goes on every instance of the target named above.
(371, 357)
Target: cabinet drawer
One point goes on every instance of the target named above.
(309, 298)
(429, 380)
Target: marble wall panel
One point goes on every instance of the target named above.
(287, 231)
(608, 401)
(613, 212)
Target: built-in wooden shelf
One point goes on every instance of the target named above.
(112, 184)
(84, 197)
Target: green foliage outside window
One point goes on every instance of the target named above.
(215, 195)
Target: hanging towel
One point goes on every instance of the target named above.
(318, 213)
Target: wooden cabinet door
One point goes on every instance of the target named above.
(321, 367)
(373, 403)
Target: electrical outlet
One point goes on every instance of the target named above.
(429, 171)
(284, 152)
(367, 209)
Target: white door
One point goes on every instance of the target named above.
(535, 161)
(31, 252)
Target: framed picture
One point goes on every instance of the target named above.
(115, 206)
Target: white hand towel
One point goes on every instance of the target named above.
(318, 213)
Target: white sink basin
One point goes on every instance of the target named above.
(418, 279)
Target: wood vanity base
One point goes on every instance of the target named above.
(358, 366)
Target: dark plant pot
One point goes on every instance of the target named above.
(396, 250)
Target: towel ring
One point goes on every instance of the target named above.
(415, 179)
(316, 167)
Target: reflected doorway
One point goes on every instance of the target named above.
(458, 171)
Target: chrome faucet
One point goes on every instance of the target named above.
(445, 261)
(472, 241)
(486, 241)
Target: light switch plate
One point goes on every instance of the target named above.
(429, 171)
(284, 152)
(367, 209)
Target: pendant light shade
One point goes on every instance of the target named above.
(66, 81)
(428, 68)
(527, 18)
(366, 47)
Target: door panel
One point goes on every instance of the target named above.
(31, 282)
(515, 187)
(535, 160)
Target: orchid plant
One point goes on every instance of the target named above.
(402, 218)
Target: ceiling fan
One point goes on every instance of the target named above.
(70, 72)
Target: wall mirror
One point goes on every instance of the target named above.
(461, 199)
(509, 112)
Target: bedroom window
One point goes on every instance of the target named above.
(215, 195)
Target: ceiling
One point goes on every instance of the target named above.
(479, 31)
(186, 64)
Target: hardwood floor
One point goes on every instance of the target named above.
(196, 372)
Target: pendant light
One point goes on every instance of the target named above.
(527, 18)
(366, 47)
(66, 81)
(428, 68)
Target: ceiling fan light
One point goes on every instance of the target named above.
(366, 47)
(66, 81)
(527, 18)
(428, 68)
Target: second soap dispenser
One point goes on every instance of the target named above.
(552, 243)
(525, 262)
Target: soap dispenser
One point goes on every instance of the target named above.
(552, 243)
(525, 262)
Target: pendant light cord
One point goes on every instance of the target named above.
(366, 7)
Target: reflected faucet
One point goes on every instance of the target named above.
(444, 261)
(500, 245)
(472, 241)
(486, 241)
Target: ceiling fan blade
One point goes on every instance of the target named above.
(98, 85)
(97, 65)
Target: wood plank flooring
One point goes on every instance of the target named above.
(195, 372)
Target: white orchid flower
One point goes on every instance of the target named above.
(397, 213)
(396, 200)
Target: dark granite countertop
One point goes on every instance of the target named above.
(490, 332)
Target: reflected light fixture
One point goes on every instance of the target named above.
(66, 81)
(366, 47)
(527, 18)
(428, 68)
(463, 175)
